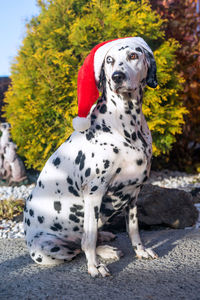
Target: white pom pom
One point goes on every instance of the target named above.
(81, 124)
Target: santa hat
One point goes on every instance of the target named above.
(89, 74)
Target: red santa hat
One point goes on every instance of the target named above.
(88, 77)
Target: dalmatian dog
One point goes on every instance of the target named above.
(96, 173)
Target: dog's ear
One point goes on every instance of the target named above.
(102, 79)
(151, 79)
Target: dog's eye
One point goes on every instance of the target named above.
(109, 60)
(133, 56)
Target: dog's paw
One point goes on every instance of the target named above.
(146, 253)
(100, 269)
(105, 236)
(109, 252)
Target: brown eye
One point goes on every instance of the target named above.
(133, 56)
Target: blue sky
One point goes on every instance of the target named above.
(14, 14)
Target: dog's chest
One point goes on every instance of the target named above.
(133, 170)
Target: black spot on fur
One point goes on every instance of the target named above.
(39, 259)
(89, 135)
(87, 172)
(31, 212)
(106, 164)
(134, 136)
(94, 188)
(130, 105)
(76, 184)
(73, 191)
(96, 211)
(78, 158)
(56, 161)
(126, 145)
(28, 222)
(118, 170)
(74, 218)
(79, 207)
(102, 179)
(138, 49)
(41, 185)
(103, 109)
(138, 110)
(105, 128)
(82, 162)
(93, 116)
(134, 117)
(142, 139)
(73, 209)
(57, 206)
(76, 228)
(55, 249)
(97, 170)
(98, 127)
(116, 150)
(40, 219)
(126, 134)
(79, 214)
(128, 112)
(69, 180)
(139, 162)
(56, 227)
(113, 102)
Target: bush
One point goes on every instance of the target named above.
(183, 25)
(42, 100)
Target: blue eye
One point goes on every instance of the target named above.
(109, 60)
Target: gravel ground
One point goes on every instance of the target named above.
(175, 275)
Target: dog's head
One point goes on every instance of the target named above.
(126, 67)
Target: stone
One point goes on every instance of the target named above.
(169, 207)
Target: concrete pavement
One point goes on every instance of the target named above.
(174, 275)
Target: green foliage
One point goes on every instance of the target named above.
(10, 208)
(42, 100)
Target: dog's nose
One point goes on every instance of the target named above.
(118, 76)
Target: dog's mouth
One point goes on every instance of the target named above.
(123, 89)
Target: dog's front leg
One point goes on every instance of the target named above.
(89, 239)
(133, 230)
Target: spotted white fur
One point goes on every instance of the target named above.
(97, 173)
